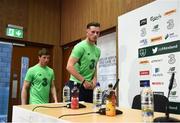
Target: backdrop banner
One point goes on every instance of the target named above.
(149, 49)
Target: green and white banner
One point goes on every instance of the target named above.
(149, 49)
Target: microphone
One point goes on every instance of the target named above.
(167, 118)
(104, 93)
(171, 82)
(116, 84)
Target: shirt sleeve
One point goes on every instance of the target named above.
(29, 76)
(77, 51)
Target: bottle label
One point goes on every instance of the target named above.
(66, 96)
(74, 103)
(147, 105)
(110, 109)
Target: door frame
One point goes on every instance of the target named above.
(17, 100)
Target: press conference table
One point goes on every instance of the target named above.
(24, 113)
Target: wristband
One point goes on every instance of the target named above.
(83, 82)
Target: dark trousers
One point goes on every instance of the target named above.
(84, 94)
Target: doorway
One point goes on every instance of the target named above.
(23, 57)
(66, 53)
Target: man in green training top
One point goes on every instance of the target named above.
(39, 82)
(82, 63)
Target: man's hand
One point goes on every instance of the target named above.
(88, 85)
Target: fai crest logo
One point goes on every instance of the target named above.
(142, 52)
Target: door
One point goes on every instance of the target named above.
(66, 53)
(22, 58)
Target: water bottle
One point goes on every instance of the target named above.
(111, 101)
(147, 103)
(104, 98)
(75, 97)
(66, 94)
(97, 96)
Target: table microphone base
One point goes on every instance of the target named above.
(165, 119)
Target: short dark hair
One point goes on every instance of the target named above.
(96, 24)
(43, 51)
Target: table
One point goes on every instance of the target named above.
(24, 113)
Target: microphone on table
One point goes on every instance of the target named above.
(116, 84)
(167, 118)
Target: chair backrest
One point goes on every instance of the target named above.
(160, 103)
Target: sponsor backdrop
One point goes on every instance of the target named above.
(149, 49)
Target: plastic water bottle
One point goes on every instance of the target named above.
(66, 94)
(75, 97)
(104, 98)
(147, 103)
(97, 96)
(111, 101)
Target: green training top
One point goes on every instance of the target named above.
(88, 55)
(40, 79)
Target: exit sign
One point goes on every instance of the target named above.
(14, 31)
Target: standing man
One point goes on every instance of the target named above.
(82, 63)
(39, 82)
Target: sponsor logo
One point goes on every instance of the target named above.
(144, 62)
(170, 24)
(170, 12)
(156, 60)
(142, 52)
(172, 70)
(155, 28)
(145, 72)
(173, 107)
(155, 18)
(158, 92)
(170, 35)
(144, 82)
(157, 72)
(164, 48)
(158, 38)
(173, 93)
(143, 22)
(172, 59)
(143, 32)
(157, 83)
(143, 42)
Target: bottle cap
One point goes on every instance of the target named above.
(97, 84)
(75, 83)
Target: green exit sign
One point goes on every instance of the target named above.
(14, 31)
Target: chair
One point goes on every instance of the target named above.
(160, 103)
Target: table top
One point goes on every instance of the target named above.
(129, 115)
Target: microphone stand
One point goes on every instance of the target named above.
(167, 118)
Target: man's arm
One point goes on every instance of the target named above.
(94, 80)
(53, 92)
(24, 93)
(71, 69)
